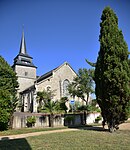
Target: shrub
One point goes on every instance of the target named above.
(31, 120)
(98, 119)
(69, 120)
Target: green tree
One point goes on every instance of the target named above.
(42, 97)
(61, 106)
(47, 104)
(50, 106)
(82, 85)
(8, 92)
(112, 72)
(4, 110)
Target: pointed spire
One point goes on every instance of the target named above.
(23, 58)
(23, 44)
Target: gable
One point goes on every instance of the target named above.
(65, 68)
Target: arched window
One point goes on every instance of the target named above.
(65, 88)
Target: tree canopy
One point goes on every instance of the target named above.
(8, 92)
(48, 105)
(82, 85)
(112, 72)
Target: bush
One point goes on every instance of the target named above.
(84, 108)
(98, 119)
(31, 120)
(3, 126)
(69, 120)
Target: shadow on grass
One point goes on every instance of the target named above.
(89, 127)
(14, 144)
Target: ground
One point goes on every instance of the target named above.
(125, 126)
(86, 138)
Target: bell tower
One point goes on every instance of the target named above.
(24, 67)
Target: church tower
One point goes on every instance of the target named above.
(24, 67)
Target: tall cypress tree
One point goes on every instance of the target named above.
(112, 72)
(8, 92)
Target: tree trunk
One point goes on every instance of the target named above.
(85, 117)
(111, 129)
(111, 126)
(103, 124)
(51, 121)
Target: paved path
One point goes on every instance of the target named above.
(9, 137)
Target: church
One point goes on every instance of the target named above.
(55, 80)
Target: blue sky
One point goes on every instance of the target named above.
(57, 30)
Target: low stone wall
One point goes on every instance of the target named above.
(42, 120)
(73, 119)
(91, 118)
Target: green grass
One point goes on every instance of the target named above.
(73, 140)
(28, 130)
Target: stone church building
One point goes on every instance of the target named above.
(55, 80)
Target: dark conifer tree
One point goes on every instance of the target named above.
(112, 72)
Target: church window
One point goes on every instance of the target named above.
(65, 88)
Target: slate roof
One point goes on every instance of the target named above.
(23, 59)
(27, 89)
(24, 64)
(44, 76)
(23, 45)
(50, 73)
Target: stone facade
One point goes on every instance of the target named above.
(26, 76)
(56, 80)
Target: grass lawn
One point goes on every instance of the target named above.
(30, 130)
(73, 140)
(27, 130)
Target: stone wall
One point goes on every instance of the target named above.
(42, 120)
(91, 118)
(73, 119)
